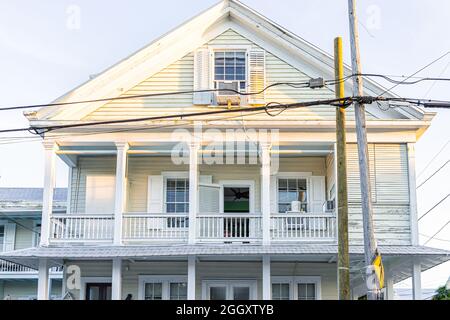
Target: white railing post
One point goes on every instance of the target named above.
(120, 195)
(193, 190)
(265, 191)
(43, 278)
(50, 148)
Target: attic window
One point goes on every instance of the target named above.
(230, 71)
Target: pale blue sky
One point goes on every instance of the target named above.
(43, 55)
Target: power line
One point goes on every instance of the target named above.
(431, 161)
(297, 85)
(187, 122)
(432, 208)
(40, 130)
(421, 69)
(438, 239)
(433, 174)
(437, 232)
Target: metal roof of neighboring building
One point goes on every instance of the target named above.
(30, 194)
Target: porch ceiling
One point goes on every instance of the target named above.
(396, 256)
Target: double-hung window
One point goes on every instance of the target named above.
(230, 71)
(177, 201)
(281, 291)
(177, 195)
(292, 190)
(306, 291)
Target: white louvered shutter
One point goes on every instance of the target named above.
(10, 236)
(201, 77)
(317, 194)
(209, 195)
(257, 75)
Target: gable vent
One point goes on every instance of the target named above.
(257, 75)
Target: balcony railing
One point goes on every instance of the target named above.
(213, 227)
(155, 227)
(229, 227)
(303, 227)
(11, 267)
(82, 228)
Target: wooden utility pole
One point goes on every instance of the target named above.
(370, 248)
(341, 155)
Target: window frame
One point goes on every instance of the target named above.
(294, 175)
(164, 280)
(295, 281)
(230, 48)
(229, 284)
(172, 175)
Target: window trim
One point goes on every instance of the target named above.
(171, 175)
(293, 284)
(238, 183)
(214, 48)
(228, 284)
(293, 175)
(165, 280)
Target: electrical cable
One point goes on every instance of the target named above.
(432, 208)
(437, 232)
(431, 161)
(433, 174)
(41, 130)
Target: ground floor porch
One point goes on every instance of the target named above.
(218, 271)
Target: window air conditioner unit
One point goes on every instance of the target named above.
(225, 96)
(329, 206)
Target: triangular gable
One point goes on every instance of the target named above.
(182, 41)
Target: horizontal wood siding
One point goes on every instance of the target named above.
(88, 166)
(24, 235)
(390, 194)
(179, 77)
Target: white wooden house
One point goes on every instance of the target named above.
(138, 222)
(20, 224)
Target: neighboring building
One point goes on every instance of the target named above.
(264, 226)
(20, 227)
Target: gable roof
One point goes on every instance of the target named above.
(227, 14)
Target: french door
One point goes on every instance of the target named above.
(229, 290)
(98, 291)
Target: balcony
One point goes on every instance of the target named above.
(210, 228)
(10, 269)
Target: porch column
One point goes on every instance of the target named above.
(416, 281)
(116, 279)
(120, 195)
(43, 280)
(389, 285)
(193, 190)
(50, 148)
(191, 283)
(265, 191)
(266, 280)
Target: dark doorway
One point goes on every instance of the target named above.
(98, 291)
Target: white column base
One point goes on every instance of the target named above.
(416, 281)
